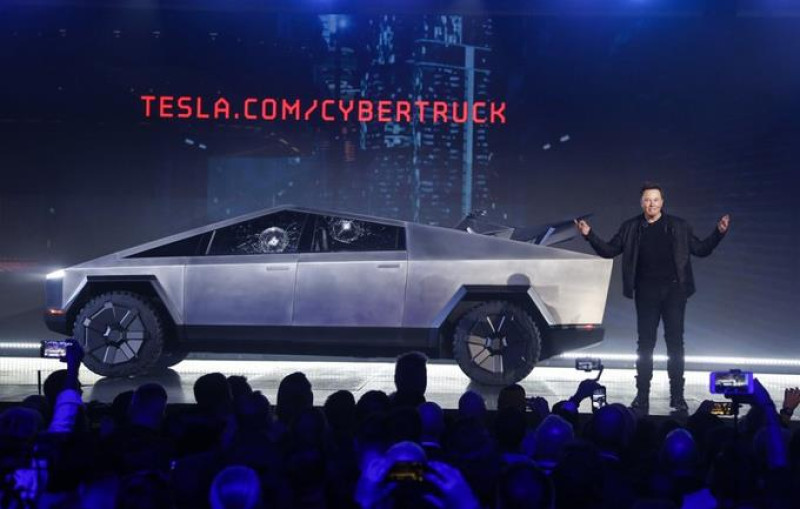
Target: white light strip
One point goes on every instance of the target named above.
(743, 360)
(19, 345)
(696, 359)
(624, 357)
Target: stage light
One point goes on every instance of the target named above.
(58, 274)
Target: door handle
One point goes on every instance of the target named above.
(389, 266)
(274, 268)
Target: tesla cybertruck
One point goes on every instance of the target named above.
(303, 281)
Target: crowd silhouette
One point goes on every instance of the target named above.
(234, 449)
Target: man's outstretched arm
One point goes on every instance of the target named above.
(605, 249)
(706, 246)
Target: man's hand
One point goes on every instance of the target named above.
(791, 398)
(759, 398)
(583, 227)
(73, 355)
(539, 405)
(585, 390)
(371, 488)
(705, 407)
(73, 358)
(454, 492)
(724, 223)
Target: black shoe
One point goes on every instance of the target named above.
(678, 403)
(641, 403)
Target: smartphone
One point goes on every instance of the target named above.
(731, 383)
(722, 408)
(588, 364)
(53, 349)
(599, 398)
(407, 471)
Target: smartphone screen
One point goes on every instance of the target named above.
(731, 382)
(599, 399)
(587, 364)
(53, 349)
(722, 408)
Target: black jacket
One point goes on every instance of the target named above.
(684, 243)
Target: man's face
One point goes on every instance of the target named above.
(652, 203)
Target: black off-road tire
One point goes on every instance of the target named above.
(121, 334)
(496, 343)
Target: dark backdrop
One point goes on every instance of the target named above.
(702, 100)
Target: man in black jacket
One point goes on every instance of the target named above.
(657, 273)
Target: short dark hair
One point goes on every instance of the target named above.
(411, 373)
(652, 185)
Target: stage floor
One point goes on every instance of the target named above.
(446, 382)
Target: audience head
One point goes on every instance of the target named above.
(239, 386)
(294, 396)
(20, 424)
(404, 424)
(432, 419)
(308, 429)
(679, 453)
(509, 429)
(253, 411)
(552, 435)
(372, 402)
(406, 451)
(471, 406)
(147, 405)
(340, 411)
(213, 394)
(411, 373)
(512, 396)
(53, 385)
(236, 487)
(523, 486)
(562, 409)
(39, 404)
(608, 429)
(119, 407)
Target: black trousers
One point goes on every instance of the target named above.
(657, 301)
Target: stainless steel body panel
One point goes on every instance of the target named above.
(345, 289)
(240, 290)
(167, 278)
(567, 287)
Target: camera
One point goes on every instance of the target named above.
(588, 364)
(407, 471)
(722, 408)
(731, 383)
(53, 349)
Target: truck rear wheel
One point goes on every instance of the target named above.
(496, 343)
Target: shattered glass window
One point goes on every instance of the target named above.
(272, 234)
(334, 233)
